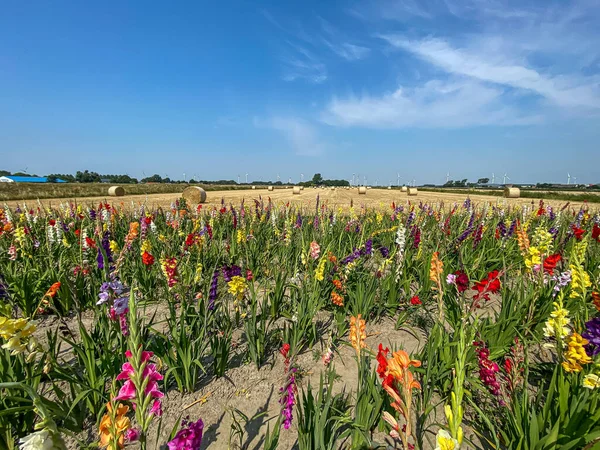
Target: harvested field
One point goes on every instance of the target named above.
(335, 198)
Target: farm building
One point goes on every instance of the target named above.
(19, 179)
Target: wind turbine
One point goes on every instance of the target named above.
(183, 176)
(277, 177)
(302, 177)
(506, 177)
(376, 183)
(493, 178)
(574, 180)
(246, 177)
(238, 178)
(447, 177)
(568, 178)
(290, 180)
(414, 182)
(398, 179)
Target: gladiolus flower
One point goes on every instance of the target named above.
(147, 259)
(358, 333)
(189, 437)
(53, 290)
(550, 263)
(575, 354)
(488, 285)
(415, 300)
(121, 424)
(596, 232)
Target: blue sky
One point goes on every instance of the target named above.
(372, 87)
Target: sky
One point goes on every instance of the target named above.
(373, 88)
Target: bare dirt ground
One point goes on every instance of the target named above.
(333, 197)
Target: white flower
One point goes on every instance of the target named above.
(445, 442)
(41, 440)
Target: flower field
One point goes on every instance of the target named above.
(285, 325)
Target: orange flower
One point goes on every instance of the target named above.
(398, 366)
(8, 227)
(436, 269)
(332, 258)
(337, 299)
(596, 299)
(523, 241)
(120, 425)
(53, 290)
(358, 333)
(338, 284)
(134, 230)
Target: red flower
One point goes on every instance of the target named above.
(596, 232)
(382, 361)
(53, 289)
(52, 222)
(415, 300)
(77, 233)
(285, 350)
(147, 259)
(90, 242)
(249, 275)
(189, 240)
(462, 281)
(488, 285)
(148, 220)
(541, 211)
(550, 262)
(578, 232)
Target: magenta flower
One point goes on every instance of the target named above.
(189, 437)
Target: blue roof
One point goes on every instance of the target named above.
(19, 179)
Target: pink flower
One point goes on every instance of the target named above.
(189, 437)
(156, 408)
(315, 250)
(127, 391)
(132, 435)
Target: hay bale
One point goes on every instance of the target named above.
(253, 187)
(412, 191)
(404, 189)
(362, 190)
(116, 191)
(296, 190)
(194, 195)
(301, 188)
(512, 192)
(333, 188)
(270, 188)
(389, 188)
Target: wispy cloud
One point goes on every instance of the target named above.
(303, 137)
(300, 63)
(564, 90)
(307, 53)
(439, 104)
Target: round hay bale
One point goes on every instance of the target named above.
(412, 191)
(253, 187)
(404, 189)
(194, 195)
(270, 188)
(362, 190)
(333, 188)
(296, 190)
(389, 188)
(301, 188)
(512, 192)
(116, 191)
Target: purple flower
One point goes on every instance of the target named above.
(511, 230)
(212, 295)
(477, 236)
(416, 232)
(501, 228)
(288, 399)
(410, 219)
(230, 272)
(384, 251)
(120, 305)
(189, 437)
(298, 221)
(592, 334)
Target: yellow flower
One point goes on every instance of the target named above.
(18, 334)
(240, 236)
(320, 270)
(533, 257)
(146, 246)
(575, 354)
(445, 442)
(580, 281)
(556, 325)
(114, 247)
(237, 287)
(358, 333)
(543, 240)
(591, 381)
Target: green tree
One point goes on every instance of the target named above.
(483, 181)
(317, 179)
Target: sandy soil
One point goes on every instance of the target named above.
(338, 198)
